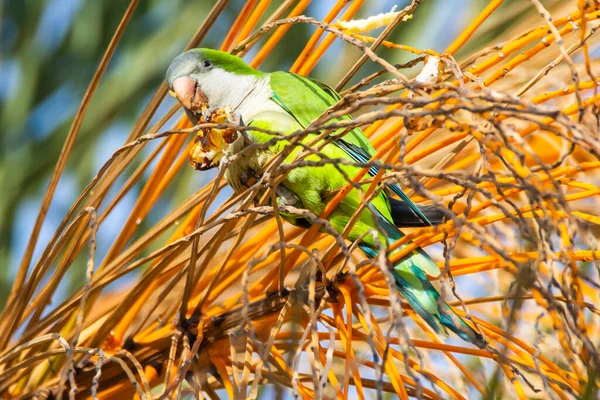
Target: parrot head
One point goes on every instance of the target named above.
(203, 78)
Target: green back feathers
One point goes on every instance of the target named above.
(306, 100)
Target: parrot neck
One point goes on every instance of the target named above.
(253, 93)
(241, 93)
(252, 98)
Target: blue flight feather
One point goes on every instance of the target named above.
(359, 155)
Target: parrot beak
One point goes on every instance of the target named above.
(188, 93)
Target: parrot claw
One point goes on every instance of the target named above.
(236, 118)
(285, 197)
(207, 114)
(248, 177)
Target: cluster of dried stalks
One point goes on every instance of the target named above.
(505, 141)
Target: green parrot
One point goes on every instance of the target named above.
(205, 80)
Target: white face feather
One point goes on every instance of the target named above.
(249, 95)
(224, 89)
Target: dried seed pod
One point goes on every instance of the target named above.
(210, 143)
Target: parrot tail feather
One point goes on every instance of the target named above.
(443, 316)
(415, 288)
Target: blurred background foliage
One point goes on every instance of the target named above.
(49, 50)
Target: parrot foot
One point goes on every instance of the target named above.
(285, 197)
(207, 114)
(248, 177)
(236, 118)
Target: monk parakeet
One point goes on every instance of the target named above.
(204, 80)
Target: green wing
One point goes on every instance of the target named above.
(305, 100)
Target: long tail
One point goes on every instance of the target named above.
(413, 285)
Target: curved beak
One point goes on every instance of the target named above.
(188, 93)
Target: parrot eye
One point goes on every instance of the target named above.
(206, 64)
